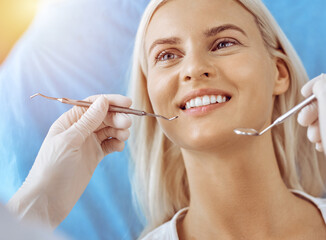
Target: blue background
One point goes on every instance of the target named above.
(78, 48)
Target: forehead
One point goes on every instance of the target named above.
(183, 17)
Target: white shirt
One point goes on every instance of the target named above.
(168, 230)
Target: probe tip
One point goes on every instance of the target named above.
(173, 118)
(34, 95)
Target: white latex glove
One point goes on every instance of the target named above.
(313, 115)
(12, 229)
(74, 146)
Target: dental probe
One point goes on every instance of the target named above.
(112, 108)
(279, 120)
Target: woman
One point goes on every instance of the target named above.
(218, 65)
(227, 51)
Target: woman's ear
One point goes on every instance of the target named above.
(282, 78)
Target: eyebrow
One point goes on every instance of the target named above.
(170, 41)
(215, 30)
(209, 33)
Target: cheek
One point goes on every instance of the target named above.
(162, 87)
(250, 71)
(252, 75)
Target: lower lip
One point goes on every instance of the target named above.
(198, 111)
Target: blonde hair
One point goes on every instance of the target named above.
(159, 177)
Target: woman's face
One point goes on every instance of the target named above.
(207, 63)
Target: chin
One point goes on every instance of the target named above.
(205, 139)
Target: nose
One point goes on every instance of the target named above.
(197, 67)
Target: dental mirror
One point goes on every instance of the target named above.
(279, 120)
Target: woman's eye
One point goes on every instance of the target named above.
(166, 56)
(224, 44)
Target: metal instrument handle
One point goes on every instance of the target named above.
(295, 109)
(112, 108)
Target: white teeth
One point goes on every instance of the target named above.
(198, 102)
(192, 103)
(205, 100)
(213, 99)
(219, 98)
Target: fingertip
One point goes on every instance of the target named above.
(124, 135)
(303, 117)
(303, 91)
(319, 89)
(112, 145)
(310, 135)
(306, 90)
(319, 147)
(319, 77)
(313, 133)
(128, 101)
(128, 121)
(300, 119)
(121, 121)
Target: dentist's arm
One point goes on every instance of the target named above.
(72, 149)
(313, 116)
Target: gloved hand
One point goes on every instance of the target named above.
(313, 115)
(73, 147)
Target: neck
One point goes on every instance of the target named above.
(236, 189)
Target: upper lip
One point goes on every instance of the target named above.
(201, 93)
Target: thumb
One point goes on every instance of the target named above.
(319, 90)
(89, 121)
(307, 89)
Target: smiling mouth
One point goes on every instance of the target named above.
(205, 101)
